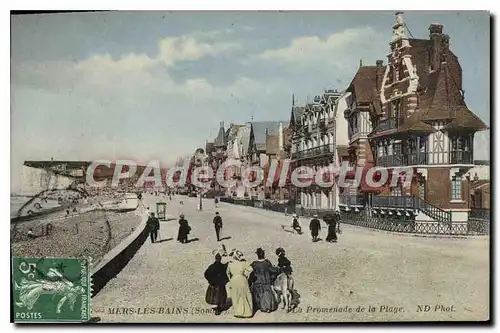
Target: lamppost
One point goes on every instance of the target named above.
(200, 160)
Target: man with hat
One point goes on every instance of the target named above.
(154, 225)
(218, 225)
(315, 227)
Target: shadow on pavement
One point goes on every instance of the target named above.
(193, 240)
(225, 238)
(164, 240)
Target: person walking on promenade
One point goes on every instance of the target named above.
(284, 265)
(218, 225)
(315, 227)
(216, 275)
(216, 202)
(262, 290)
(184, 229)
(154, 225)
(331, 220)
(238, 271)
(296, 224)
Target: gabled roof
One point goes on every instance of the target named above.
(272, 144)
(232, 132)
(366, 82)
(209, 147)
(259, 131)
(297, 112)
(243, 137)
(220, 141)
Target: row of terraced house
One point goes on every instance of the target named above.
(406, 111)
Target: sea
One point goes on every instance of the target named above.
(16, 202)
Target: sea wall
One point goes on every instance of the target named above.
(116, 259)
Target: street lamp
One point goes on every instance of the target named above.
(200, 160)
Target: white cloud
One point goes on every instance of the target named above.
(187, 48)
(336, 50)
(129, 106)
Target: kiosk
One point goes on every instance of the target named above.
(161, 210)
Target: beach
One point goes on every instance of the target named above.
(90, 234)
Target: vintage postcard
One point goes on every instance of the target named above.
(250, 167)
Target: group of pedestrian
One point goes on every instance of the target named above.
(154, 227)
(332, 220)
(250, 284)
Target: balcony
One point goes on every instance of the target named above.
(314, 152)
(461, 157)
(350, 200)
(425, 158)
(403, 202)
(391, 160)
(386, 124)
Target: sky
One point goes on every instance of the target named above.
(155, 85)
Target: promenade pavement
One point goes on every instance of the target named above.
(366, 270)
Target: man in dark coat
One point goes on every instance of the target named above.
(217, 279)
(154, 225)
(315, 227)
(184, 229)
(218, 225)
(331, 220)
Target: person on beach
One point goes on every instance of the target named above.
(296, 224)
(216, 275)
(154, 225)
(218, 225)
(31, 234)
(238, 271)
(262, 290)
(184, 230)
(315, 227)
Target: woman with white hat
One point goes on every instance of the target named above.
(238, 272)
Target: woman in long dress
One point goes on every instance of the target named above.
(217, 280)
(262, 291)
(184, 229)
(241, 298)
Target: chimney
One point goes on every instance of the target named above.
(380, 63)
(436, 37)
(222, 124)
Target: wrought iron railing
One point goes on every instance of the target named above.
(402, 202)
(480, 213)
(478, 226)
(419, 158)
(363, 219)
(461, 157)
(314, 152)
(423, 158)
(351, 200)
(434, 212)
(391, 160)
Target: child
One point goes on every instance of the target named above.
(284, 264)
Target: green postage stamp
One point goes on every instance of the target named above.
(51, 289)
